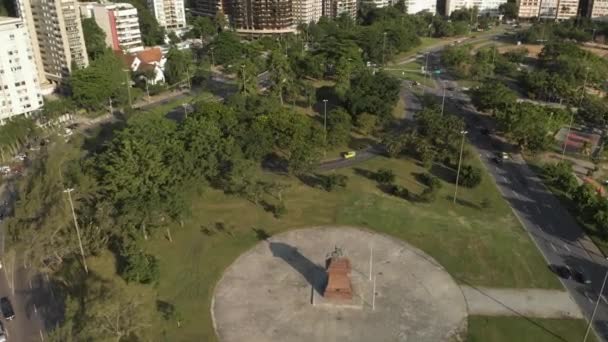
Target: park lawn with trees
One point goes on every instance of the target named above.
(484, 247)
(523, 329)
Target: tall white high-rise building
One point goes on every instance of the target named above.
(378, 3)
(306, 11)
(549, 9)
(57, 37)
(416, 6)
(484, 6)
(19, 87)
(120, 23)
(169, 13)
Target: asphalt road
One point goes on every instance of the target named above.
(557, 235)
(28, 293)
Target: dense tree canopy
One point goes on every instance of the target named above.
(94, 38)
(373, 93)
(105, 78)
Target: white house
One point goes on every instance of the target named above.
(150, 60)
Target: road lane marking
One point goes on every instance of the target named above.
(537, 209)
(566, 247)
(41, 335)
(30, 281)
(588, 297)
(552, 246)
(35, 309)
(516, 194)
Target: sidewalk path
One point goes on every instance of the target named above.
(520, 302)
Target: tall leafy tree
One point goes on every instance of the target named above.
(104, 78)
(178, 65)
(94, 38)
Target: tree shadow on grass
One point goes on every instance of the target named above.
(275, 163)
(371, 175)
(463, 202)
(443, 172)
(102, 136)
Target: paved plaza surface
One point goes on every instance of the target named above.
(267, 294)
(520, 302)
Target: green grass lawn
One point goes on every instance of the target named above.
(521, 329)
(409, 71)
(485, 247)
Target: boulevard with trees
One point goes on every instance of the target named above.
(249, 164)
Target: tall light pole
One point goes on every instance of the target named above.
(84, 260)
(128, 83)
(111, 108)
(325, 120)
(597, 303)
(383, 47)
(185, 105)
(580, 103)
(212, 59)
(147, 90)
(443, 100)
(243, 76)
(459, 163)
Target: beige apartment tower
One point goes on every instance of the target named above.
(56, 32)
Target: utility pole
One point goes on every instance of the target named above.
(84, 260)
(383, 47)
(459, 164)
(597, 303)
(580, 103)
(185, 106)
(147, 91)
(243, 75)
(111, 108)
(188, 78)
(128, 83)
(212, 59)
(443, 100)
(325, 120)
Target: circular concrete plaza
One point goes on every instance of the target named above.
(273, 292)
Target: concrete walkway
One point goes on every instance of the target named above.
(520, 302)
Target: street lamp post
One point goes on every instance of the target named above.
(459, 163)
(185, 106)
(84, 260)
(128, 83)
(443, 100)
(212, 59)
(597, 303)
(383, 47)
(325, 120)
(580, 103)
(147, 90)
(243, 76)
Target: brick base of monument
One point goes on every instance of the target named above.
(361, 295)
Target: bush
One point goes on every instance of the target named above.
(384, 176)
(430, 181)
(428, 195)
(560, 175)
(135, 265)
(398, 191)
(469, 176)
(333, 181)
(279, 210)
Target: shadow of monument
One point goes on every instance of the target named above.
(314, 274)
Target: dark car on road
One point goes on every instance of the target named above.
(562, 271)
(580, 277)
(7, 308)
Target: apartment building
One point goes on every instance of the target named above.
(378, 3)
(170, 14)
(485, 7)
(416, 6)
(19, 88)
(261, 17)
(335, 8)
(208, 8)
(120, 23)
(307, 11)
(597, 9)
(58, 38)
(550, 9)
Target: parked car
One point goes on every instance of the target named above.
(2, 333)
(562, 271)
(349, 154)
(580, 277)
(7, 308)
